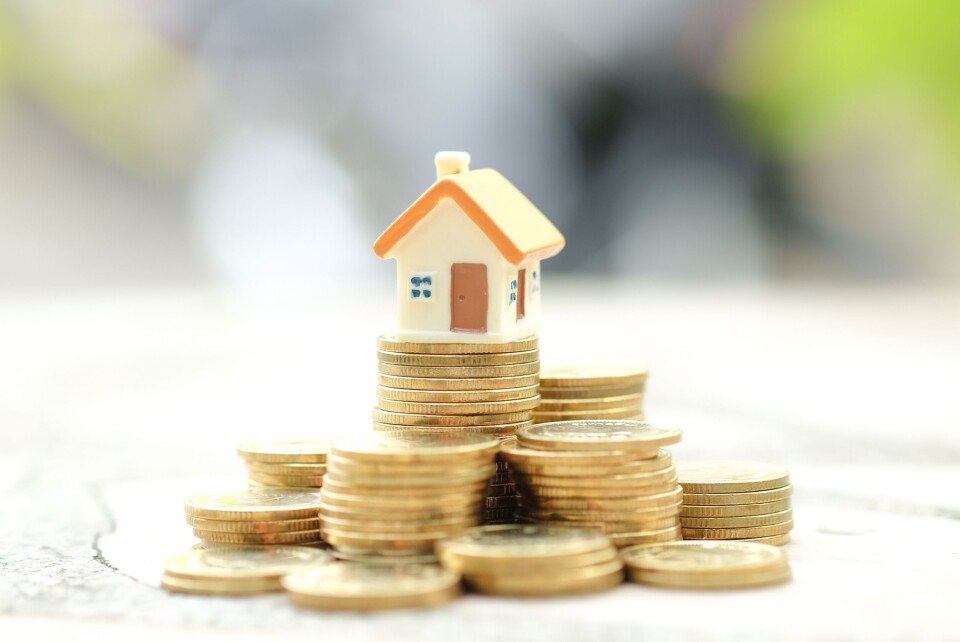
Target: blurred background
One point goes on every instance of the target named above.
(248, 142)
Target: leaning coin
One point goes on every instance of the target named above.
(306, 451)
(738, 533)
(752, 497)
(369, 587)
(415, 446)
(280, 526)
(290, 537)
(514, 452)
(730, 476)
(599, 435)
(254, 504)
(243, 562)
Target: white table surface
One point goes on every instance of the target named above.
(114, 406)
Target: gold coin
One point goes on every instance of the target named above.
(290, 537)
(499, 431)
(554, 470)
(704, 558)
(252, 483)
(346, 466)
(668, 580)
(705, 564)
(612, 528)
(430, 490)
(726, 499)
(404, 501)
(590, 392)
(603, 504)
(649, 514)
(308, 451)
(360, 527)
(281, 526)
(254, 505)
(177, 584)
(460, 372)
(730, 476)
(239, 563)
(518, 545)
(738, 533)
(593, 375)
(309, 470)
(607, 492)
(350, 586)
(772, 540)
(294, 481)
(735, 510)
(440, 383)
(383, 560)
(633, 480)
(517, 454)
(386, 543)
(388, 417)
(400, 482)
(417, 446)
(738, 522)
(459, 360)
(435, 513)
(599, 435)
(391, 344)
(478, 408)
(670, 534)
(587, 579)
(592, 403)
(456, 396)
(632, 413)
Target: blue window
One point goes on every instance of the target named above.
(421, 286)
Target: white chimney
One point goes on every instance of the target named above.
(451, 163)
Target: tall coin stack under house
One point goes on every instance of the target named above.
(464, 356)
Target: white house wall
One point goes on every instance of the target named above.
(441, 238)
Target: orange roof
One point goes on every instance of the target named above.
(517, 228)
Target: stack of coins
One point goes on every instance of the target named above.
(460, 387)
(590, 392)
(736, 500)
(397, 493)
(608, 475)
(257, 516)
(291, 464)
(347, 586)
(533, 560)
(707, 565)
(237, 570)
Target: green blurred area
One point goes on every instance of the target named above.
(792, 63)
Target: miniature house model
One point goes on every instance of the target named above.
(468, 257)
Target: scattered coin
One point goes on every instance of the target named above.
(236, 570)
(370, 587)
(706, 564)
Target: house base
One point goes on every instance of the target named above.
(428, 336)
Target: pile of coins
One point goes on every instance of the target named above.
(533, 560)
(396, 494)
(488, 388)
(608, 475)
(730, 500)
(346, 586)
(237, 570)
(590, 392)
(289, 464)
(256, 516)
(707, 565)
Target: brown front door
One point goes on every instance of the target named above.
(521, 294)
(468, 297)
